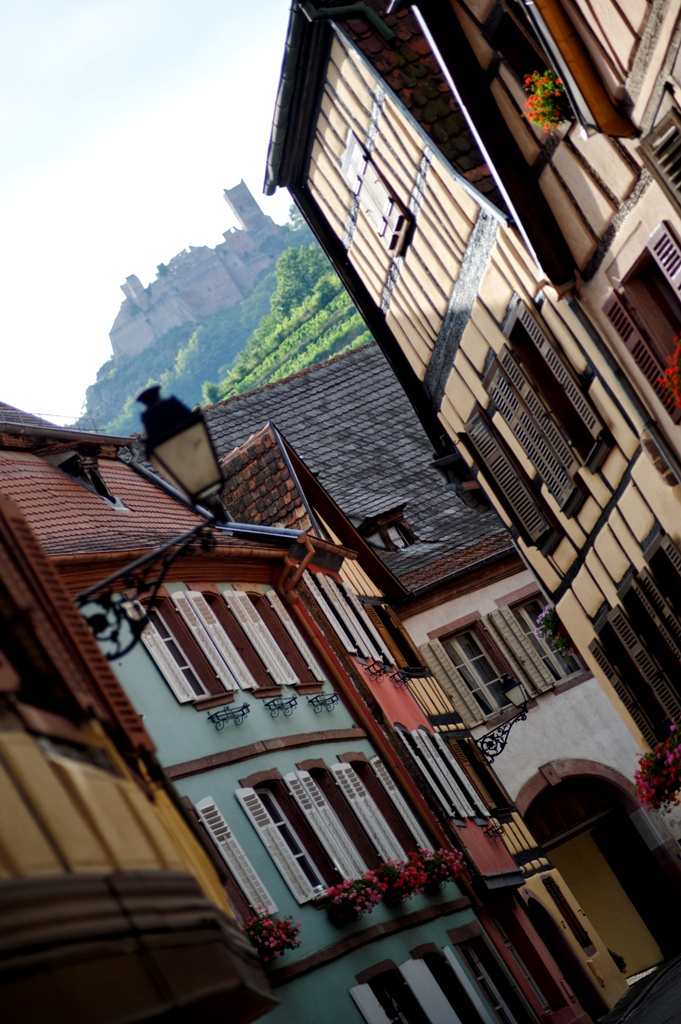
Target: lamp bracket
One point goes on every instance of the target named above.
(494, 742)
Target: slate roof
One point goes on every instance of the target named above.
(352, 424)
(10, 414)
(70, 519)
(259, 486)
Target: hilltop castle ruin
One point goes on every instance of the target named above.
(199, 280)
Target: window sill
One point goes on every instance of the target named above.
(265, 692)
(214, 700)
(576, 680)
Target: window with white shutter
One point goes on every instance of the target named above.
(367, 813)
(326, 824)
(282, 843)
(213, 640)
(295, 635)
(400, 804)
(444, 787)
(171, 660)
(234, 856)
(262, 640)
(388, 216)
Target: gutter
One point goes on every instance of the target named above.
(61, 434)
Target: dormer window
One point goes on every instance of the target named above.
(82, 466)
(388, 530)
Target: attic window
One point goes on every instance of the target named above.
(388, 531)
(388, 216)
(82, 467)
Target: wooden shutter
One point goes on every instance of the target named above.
(368, 1005)
(461, 805)
(662, 150)
(516, 400)
(557, 373)
(260, 637)
(667, 254)
(624, 692)
(662, 616)
(365, 621)
(437, 786)
(427, 993)
(567, 911)
(234, 856)
(224, 653)
(167, 665)
(452, 682)
(289, 626)
(367, 813)
(400, 804)
(287, 864)
(642, 354)
(346, 616)
(505, 480)
(465, 783)
(325, 824)
(644, 662)
(526, 661)
(333, 619)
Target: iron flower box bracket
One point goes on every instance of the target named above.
(280, 704)
(226, 714)
(323, 701)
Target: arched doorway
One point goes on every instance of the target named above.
(583, 824)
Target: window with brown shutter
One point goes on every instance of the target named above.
(646, 310)
(507, 481)
(568, 913)
(548, 373)
(661, 150)
(515, 398)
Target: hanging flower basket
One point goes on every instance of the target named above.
(671, 378)
(348, 900)
(271, 936)
(439, 867)
(658, 778)
(546, 103)
(551, 629)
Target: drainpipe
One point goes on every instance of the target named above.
(354, 703)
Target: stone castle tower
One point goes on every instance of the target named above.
(199, 280)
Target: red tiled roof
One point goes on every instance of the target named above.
(408, 65)
(259, 487)
(70, 519)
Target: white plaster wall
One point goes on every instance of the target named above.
(483, 600)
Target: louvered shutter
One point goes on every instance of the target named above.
(194, 620)
(503, 477)
(234, 856)
(659, 611)
(642, 354)
(261, 638)
(289, 626)
(516, 400)
(368, 814)
(166, 664)
(381, 651)
(326, 825)
(368, 1005)
(230, 658)
(623, 691)
(452, 682)
(463, 808)
(276, 846)
(346, 616)
(645, 664)
(401, 805)
(341, 631)
(569, 388)
(667, 254)
(433, 778)
(662, 147)
(526, 661)
(465, 783)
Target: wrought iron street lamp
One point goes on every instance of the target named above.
(494, 742)
(178, 443)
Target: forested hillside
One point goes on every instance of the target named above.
(296, 316)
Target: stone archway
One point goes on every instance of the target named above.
(580, 812)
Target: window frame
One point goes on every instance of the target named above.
(388, 215)
(487, 651)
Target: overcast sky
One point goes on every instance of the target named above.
(121, 122)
